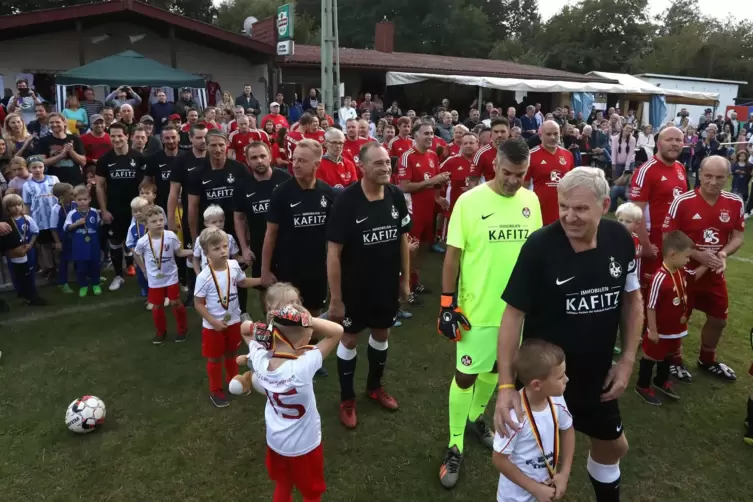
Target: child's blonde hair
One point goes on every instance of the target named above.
(81, 190)
(213, 211)
(279, 295)
(12, 199)
(151, 210)
(61, 189)
(17, 161)
(211, 236)
(629, 210)
(138, 203)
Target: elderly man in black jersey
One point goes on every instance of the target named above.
(367, 239)
(575, 285)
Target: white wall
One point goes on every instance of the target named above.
(55, 52)
(727, 95)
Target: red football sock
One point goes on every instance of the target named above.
(283, 493)
(708, 355)
(231, 368)
(160, 323)
(214, 372)
(180, 318)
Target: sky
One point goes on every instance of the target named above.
(717, 8)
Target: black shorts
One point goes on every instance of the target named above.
(596, 419)
(362, 315)
(313, 290)
(117, 231)
(45, 237)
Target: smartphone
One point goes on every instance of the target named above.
(23, 92)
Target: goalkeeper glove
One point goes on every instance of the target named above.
(451, 319)
(261, 334)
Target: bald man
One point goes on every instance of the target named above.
(714, 219)
(549, 163)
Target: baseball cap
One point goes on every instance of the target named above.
(185, 89)
(147, 118)
(96, 117)
(174, 116)
(274, 103)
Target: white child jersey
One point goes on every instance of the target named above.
(168, 271)
(205, 288)
(39, 197)
(524, 452)
(293, 424)
(199, 253)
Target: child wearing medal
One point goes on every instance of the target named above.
(534, 461)
(136, 231)
(295, 457)
(666, 317)
(155, 254)
(216, 300)
(64, 194)
(82, 224)
(23, 269)
(214, 216)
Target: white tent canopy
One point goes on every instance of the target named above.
(648, 88)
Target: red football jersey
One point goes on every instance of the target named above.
(453, 148)
(337, 174)
(276, 120)
(436, 143)
(544, 173)
(239, 140)
(461, 170)
(415, 166)
(668, 298)
(638, 247)
(484, 161)
(187, 127)
(352, 148)
(710, 227)
(658, 185)
(95, 146)
(398, 146)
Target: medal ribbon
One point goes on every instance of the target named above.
(277, 334)
(83, 216)
(552, 468)
(679, 287)
(161, 250)
(224, 301)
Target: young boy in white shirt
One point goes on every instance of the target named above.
(534, 461)
(214, 216)
(295, 456)
(155, 254)
(216, 300)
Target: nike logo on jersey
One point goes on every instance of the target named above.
(697, 216)
(485, 217)
(205, 182)
(560, 283)
(191, 169)
(361, 220)
(293, 205)
(162, 165)
(250, 195)
(110, 165)
(619, 428)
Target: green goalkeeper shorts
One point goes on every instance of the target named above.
(477, 351)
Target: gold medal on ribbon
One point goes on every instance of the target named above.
(224, 300)
(86, 229)
(161, 251)
(551, 467)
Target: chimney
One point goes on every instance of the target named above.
(384, 36)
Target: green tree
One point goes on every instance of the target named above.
(203, 10)
(230, 16)
(518, 51)
(679, 15)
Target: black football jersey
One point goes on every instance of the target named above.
(159, 166)
(123, 174)
(216, 186)
(252, 198)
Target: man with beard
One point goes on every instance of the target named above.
(308, 128)
(461, 168)
(714, 219)
(420, 178)
(403, 141)
(484, 159)
(118, 175)
(295, 243)
(63, 153)
(251, 203)
(488, 227)
(353, 142)
(574, 285)
(549, 163)
(127, 119)
(369, 224)
(335, 170)
(159, 166)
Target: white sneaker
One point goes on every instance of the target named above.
(116, 283)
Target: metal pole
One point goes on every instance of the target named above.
(323, 49)
(338, 97)
(480, 98)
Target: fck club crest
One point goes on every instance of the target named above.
(563, 162)
(615, 269)
(395, 214)
(323, 202)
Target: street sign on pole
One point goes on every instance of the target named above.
(285, 15)
(286, 48)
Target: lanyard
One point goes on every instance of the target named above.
(276, 334)
(679, 288)
(224, 300)
(86, 229)
(161, 249)
(552, 468)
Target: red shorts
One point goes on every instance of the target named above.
(660, 350)
(709, 298)
(423, 227)
(305, 472)
(215, 344)
(157, 295)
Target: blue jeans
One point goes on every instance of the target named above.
(615, 194)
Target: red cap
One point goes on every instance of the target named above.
(174, 116)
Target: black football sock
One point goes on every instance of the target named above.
(750, 417)
(243, 299)
(129, 259)
(606, 492)
(605, 478)
(116, 255)
(377, 354)
(346, 368)
(645, 371)
(662, 372)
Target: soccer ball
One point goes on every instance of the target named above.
(85, 414)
